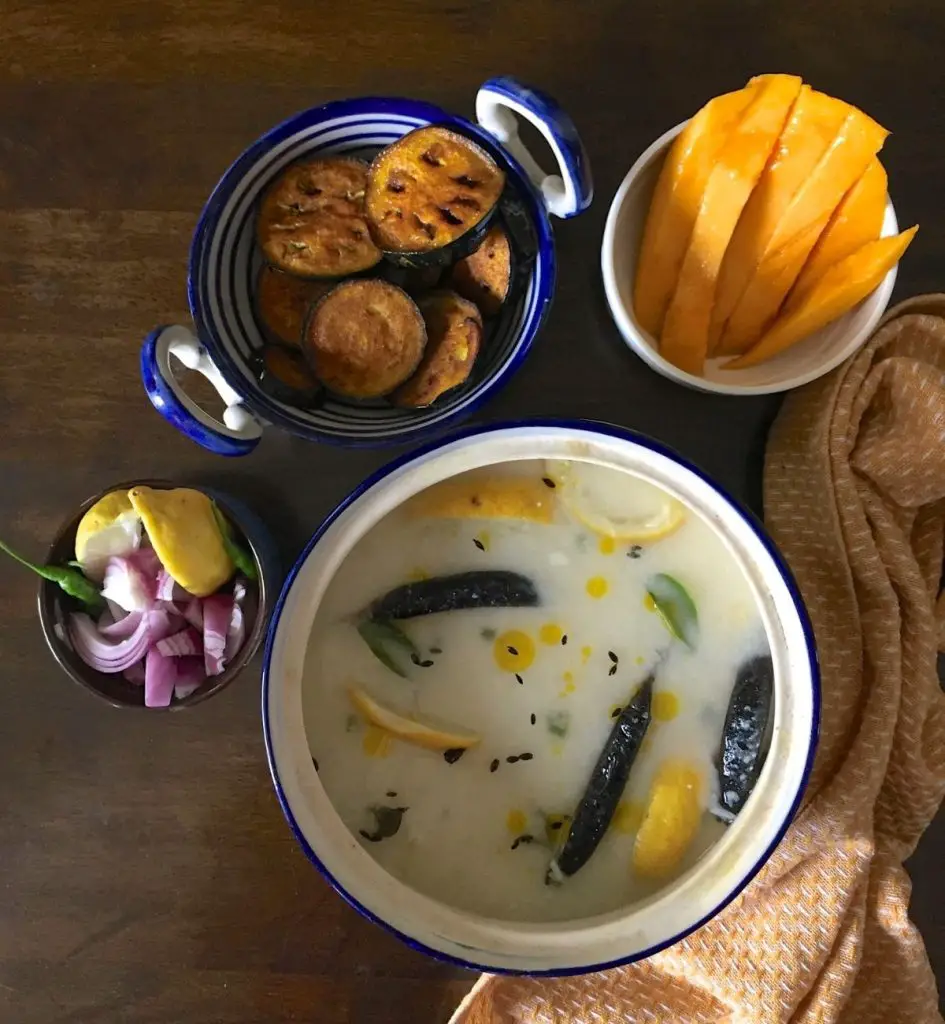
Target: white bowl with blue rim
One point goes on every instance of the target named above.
(224, 261)
(590, 944)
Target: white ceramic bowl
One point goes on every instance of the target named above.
(589, 944)
(806, 361)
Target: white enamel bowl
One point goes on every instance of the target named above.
(590, 944)
(809, 359)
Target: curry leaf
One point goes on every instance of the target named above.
(385, 640)
(675, 607)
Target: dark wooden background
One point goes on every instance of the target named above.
(146, 873)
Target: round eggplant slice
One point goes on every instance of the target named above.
(311, 222)
(365, 338)
(285, 376)
(429, 190)
(454, 330)
(483, 276)
(283, 302)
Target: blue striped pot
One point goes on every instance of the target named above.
(224, 261)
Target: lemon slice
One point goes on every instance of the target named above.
(615, 504)
(409, 728)
(672, 817)
(185, 536)
(110, 528)
(479, 496)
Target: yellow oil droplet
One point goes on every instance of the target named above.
(665, 706)
(648, 603)
(484, 539)
(638, 659)
(596, 587)
(628, 817)
(569, 686)
(514, 651)
(515, 821)
(586, 653)
(557, 748)
(607, 545)
(550, 633)
(417, 575)
(376, 742)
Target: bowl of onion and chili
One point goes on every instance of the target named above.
(71, 622)
(318, 245)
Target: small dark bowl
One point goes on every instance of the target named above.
(55, 605)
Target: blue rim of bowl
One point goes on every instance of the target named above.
(254, 397)
(750, 520)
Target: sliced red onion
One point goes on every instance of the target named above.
(217, 612)
(146, 560)
(135, 673)
(166, 588)
(187, 641)
(161, 623)
(160, 675)
(123, 628)
(117, 612)
(103, 653)
(193, 613)
(190, 676)
(128, 585)
(234, 634)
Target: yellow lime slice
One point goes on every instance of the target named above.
(615, 504)
(111, 527)
(408, 727)
(185, 536)
(482, 496)
(673, 813)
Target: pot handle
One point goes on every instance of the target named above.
(565, 195)
(240, 430)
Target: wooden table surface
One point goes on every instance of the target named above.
(147, 873)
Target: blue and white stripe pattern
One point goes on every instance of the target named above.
(224, 263)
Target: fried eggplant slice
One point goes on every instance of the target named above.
(454, 337)
(429, 190)
(483, 276)
(283, 302)
(311, 222)
(285, 376)
(478, 588)
(364, 338)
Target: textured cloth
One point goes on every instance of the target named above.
(855, 498)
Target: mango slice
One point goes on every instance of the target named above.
(847, 144)
(857, 220)
(487, 497)
(184, 534)
(838, 289)
(675, 204)
(739, 162)
(671, 820)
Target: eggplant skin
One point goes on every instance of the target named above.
(454, 337)
(311, 222)
(364, 338)
(283, 302)
(484, 275)
(284, 374)
(487, 588)
(605, 786)
(429, 189)
(742, 754)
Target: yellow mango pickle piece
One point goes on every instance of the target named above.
(671, 820)
(486, 497)
(858, 219)
(185, 536)
(838, 290)
(675, 204)
(804, 218)
(741, 159)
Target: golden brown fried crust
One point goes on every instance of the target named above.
(428, 189)
(289, 368)
(483, 276)
(311, 221)
(283, 302)
(454, 330)
(365, 338)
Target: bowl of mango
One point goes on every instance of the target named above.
(754, 247)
